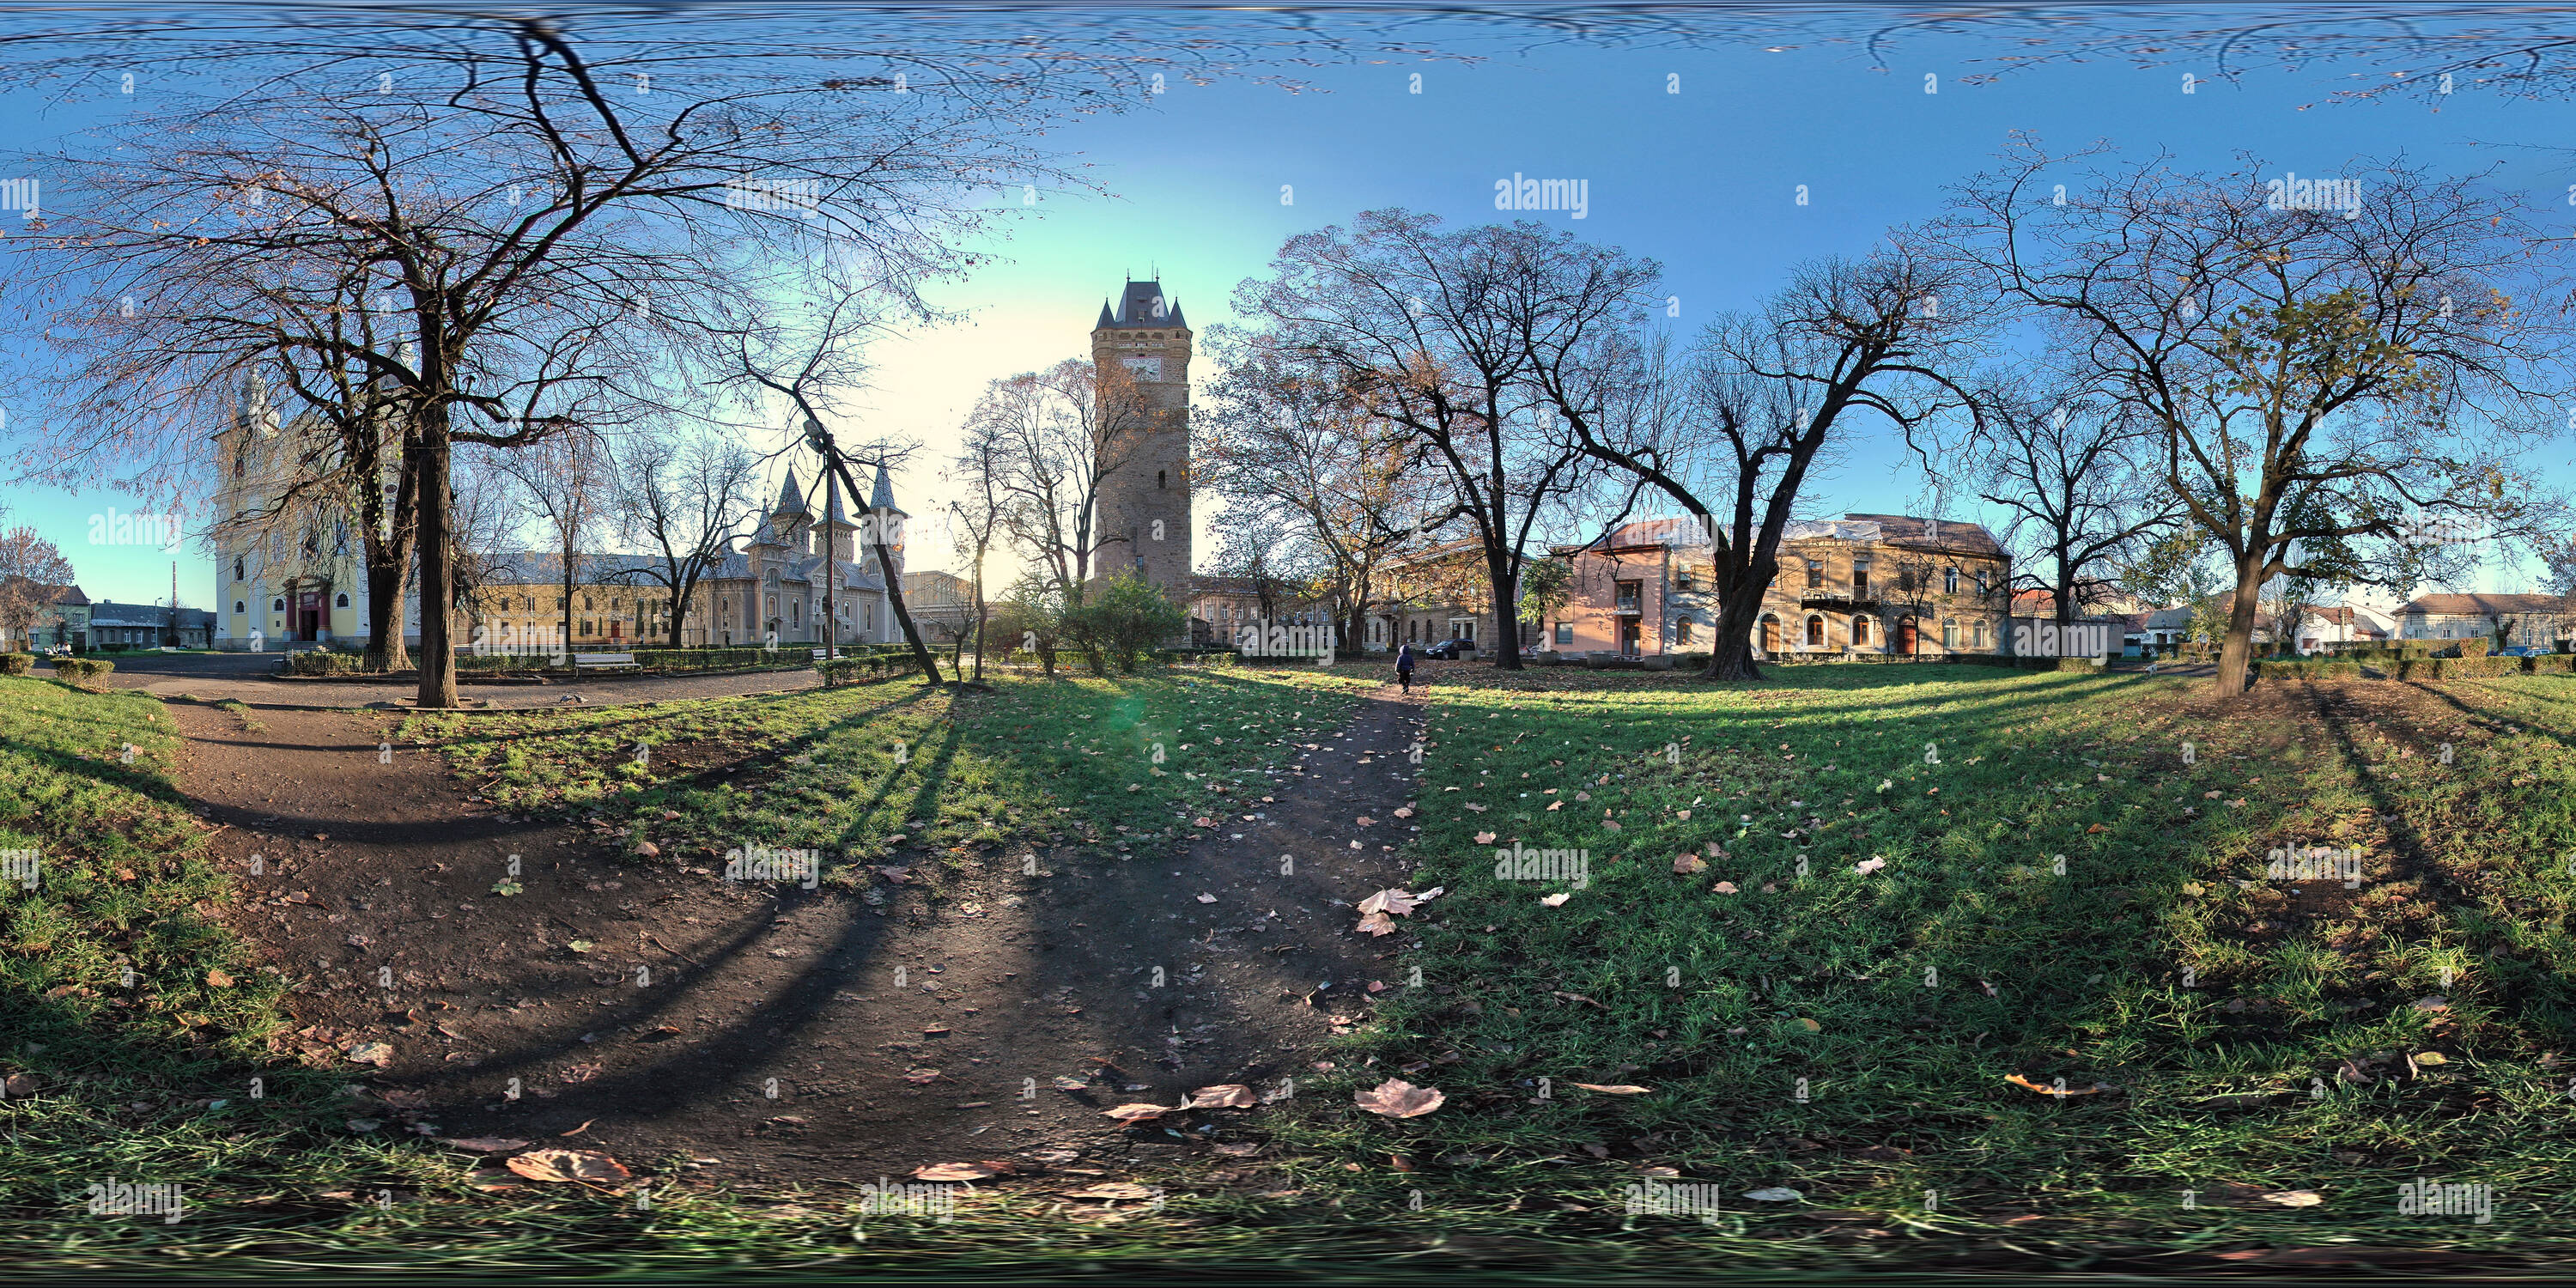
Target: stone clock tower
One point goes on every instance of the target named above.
(1141, 349)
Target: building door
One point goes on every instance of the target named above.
(308, 617)
(1905, 635)
(1771, 635)
(1631, 635)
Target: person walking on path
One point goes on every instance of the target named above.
(1404, 667)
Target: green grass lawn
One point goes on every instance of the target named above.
(1850, 1034)
(2251, 1035)
(857, 771)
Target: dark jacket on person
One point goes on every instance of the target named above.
(1404, 658)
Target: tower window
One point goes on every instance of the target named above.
(1158, 479)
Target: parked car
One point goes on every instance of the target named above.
(2522, 650)
(1451, 650)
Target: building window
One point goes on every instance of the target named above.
(1629, 591)
(343, 600)
(1683, 583)
(1682, 631)
(1949, 581)
(1981, 585)
(237, 606)
(1860, 625)
(1860, 579)
(237, 568)
(1815, 629)
(277, 606)
(1565, 632)
(1159, 483)
(1815, 574)
(1949, 632)
(1981, 632)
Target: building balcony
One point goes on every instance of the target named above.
(1841, 603)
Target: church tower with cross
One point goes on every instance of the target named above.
(1141, 351)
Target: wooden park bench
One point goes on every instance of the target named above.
(603, 661)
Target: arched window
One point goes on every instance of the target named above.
(1981, 632)
(237, 606)
(1860, 630)
(1949, 632)
(237, 568)
(1815, 631)
(277, 606)
(343, 600)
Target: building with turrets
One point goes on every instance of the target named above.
(286, 573)
(1140, 349)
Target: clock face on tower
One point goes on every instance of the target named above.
(1144, 368)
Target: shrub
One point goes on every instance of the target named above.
(713, 659)
(1126, 618)
(17, 663)
(839, 672)
(81, 670)
(327, 662)
(2476, 647)
(2550, 664)
(2310, 669)
(2482, 666)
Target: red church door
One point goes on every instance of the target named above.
(1905, 635)
(308, 616)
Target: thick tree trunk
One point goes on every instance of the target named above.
(2236, 650)
(437, 650)
(387, 561)
(1739, 609)
(1506, 611)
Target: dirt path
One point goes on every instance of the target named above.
(662, 1034)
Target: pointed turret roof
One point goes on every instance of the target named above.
(883, 497)
(1143, 304)
(791, 497)
(1107, 319)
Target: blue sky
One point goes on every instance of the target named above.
(1703, 180)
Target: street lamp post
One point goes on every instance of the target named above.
(831, 553)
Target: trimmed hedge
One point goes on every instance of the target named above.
(17, 663)
(2454, 668)
(2311, 669)
(2550, 664)
(328, 662)
(81, 670)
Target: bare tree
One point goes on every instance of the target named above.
(1281, 440)
(685, 500)
(979, 515)
(815, 365)
(1732, 433)
(2317, 369)
(1056, 436)
(2074, 474)
(499, 184)
(565, 482)
(1445, 338)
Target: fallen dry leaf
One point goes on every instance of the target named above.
(1224, 1095)
(216, 978)
(954, 1172)
(1112, 1192)
(1724, 887)
(1484, 838)
(1396, 1098)
(2293, 1198)
(1136, 1113)
(1689, 863)
(2047, 1089)
(483, 1144)
(1377, 923)
(1556, 900)
(1615, 1089)
(569, 1166)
